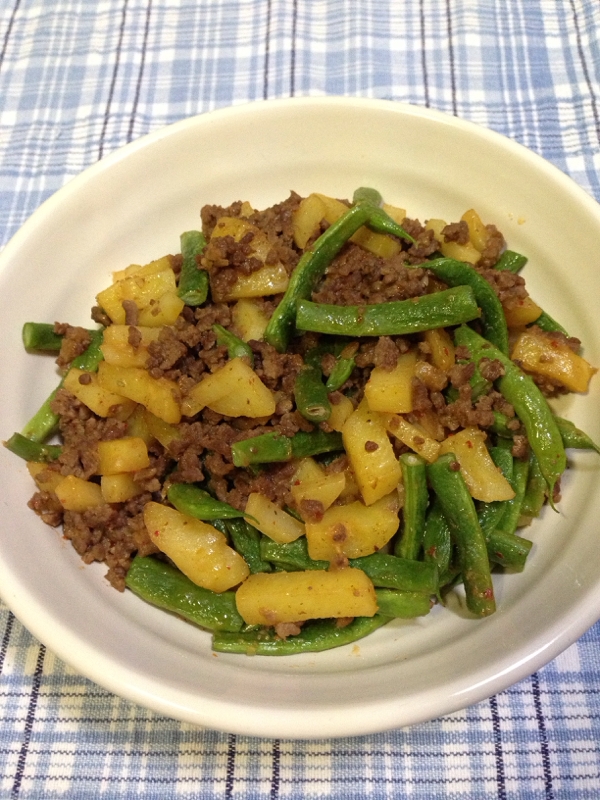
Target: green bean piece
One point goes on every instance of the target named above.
(510, 518)
(416, 500)
(459, 509)
(309, 270)
(193, 281)
(31, 450)
(196, 502)
(458, 273)
(45, 422)
(381, 222)
(314, 637)
(364, 194)
(314, 443)
(535, 492)
(162, 585)
(263, 449)
(246, 540)
(41, 336)
(392, 572)
(292, 554)
(529, 403)
(500, 425)
(547, 323)
(490, 514)
(236, 347)
(342, 370)
(311, 395)
(573, 437)
(402, 605)
(508, 550)
(437, 541)
(511, 261)
(437, 310)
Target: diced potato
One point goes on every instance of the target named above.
(250, 320)
(544, 354)
(75, 494)
(353, 530)
(429, 422)
(461, 252)
(272, 520)
(340, 412)
(270, 598)
(163, 310)
(161, 430)
(159, 395)
(412, 436)
(101, 401)
(45, 479)
(437, 226)
(441, 347)
(524, 312)
(128, 454)
(142, 288)
(311, 482)
(307, 219)
(119, 488)
(158, 265)
(200, 551)
(235, 390)
(117, 350)
(391, 391)
(483, 478)
(478, 233)
(371, 455)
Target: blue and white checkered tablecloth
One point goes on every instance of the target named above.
(80, 78)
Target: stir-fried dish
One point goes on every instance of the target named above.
(312, 420)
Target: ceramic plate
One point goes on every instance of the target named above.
(131, 207)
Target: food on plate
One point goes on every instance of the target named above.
(311, 420)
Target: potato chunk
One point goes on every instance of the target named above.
(371, 455)
(235, 390)
(116, 348)
(128, 454)
(200, 551)
(271, 598)
(312, 483)
(552, 357)
(483, 478)
(86, 387)
(391, 390)
(272, 520)
(158, 395)
(75, 494)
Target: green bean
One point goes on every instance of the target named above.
(547, 323)
(195, 502)
(236, 347)
(392, 572)
(458, 273)
(246, 540)
(510, 518)
(311, 395)
(381, 222)
(490, 514)
(500, 426)
(314, 637)
(402, 605)
(364, 194)
(459, 510)
(313, 443)
(416, 499)
(41, 336)
(263, 449)
(164, 586)
(293, 554)
(437, 542)
(342, 369)
(31, 450)
(573, 437)
(44, 422)
(437, 310)
(511, 261)
(193, 281)
(529, 403)
(508, 549)
(535, 493)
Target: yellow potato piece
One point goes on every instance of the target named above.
(157, 265)
(141, 288)
(353, 530)
(307, 219)
(311, 482)
(483, 478)
(271, 520)
(235, 390)
(271, 598)
(391, 390)
(159, 395)
(524, 312)
(478, 233)
(249, 320)
(370, 453)
(76, 494)
(554, 359)
(119, 488)
(163, 310)
(45, 479)
(441, 347)
(116, 349)
(128, 454)
(413, 436)
(340, 411)
(200, 551)
(101, 401)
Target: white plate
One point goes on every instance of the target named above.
(131, 207)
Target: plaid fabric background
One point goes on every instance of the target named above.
(80, 78)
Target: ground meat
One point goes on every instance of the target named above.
(491, 369)
(75, 341)
(47, 506)
(456, 232)
(285, 629)
(493, 248)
